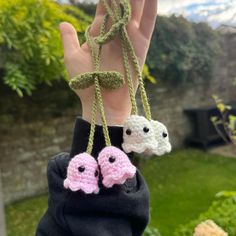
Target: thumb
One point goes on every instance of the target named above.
(69, 38)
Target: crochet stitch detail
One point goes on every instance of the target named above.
(115, 166)
(162, 137)
(138, 135)
(82, 174)
(107, 79)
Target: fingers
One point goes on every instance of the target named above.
(100, 10)
(148, 19)
(69, 38)
(137, 10)
(100, 13)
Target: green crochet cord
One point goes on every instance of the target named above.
(120, 14)
(107, 79)
(98, 96)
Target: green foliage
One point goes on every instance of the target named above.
(30, 44)
(183, 185)
(226, 120)
(147, 75)
(222, 212)
(182, 51)
(150, 231)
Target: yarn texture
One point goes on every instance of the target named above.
(115, 166)
(107, 79)
(82, 174)
(138, 135)
(162, 137)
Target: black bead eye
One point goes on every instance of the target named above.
(81, 169)
(164, 135)
(145, 130)
(112, 159)
(128, 131)
(96, 173)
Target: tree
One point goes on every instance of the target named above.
(182, 51)
(30, 42)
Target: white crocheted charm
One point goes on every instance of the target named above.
(138, 135)
(162, 137)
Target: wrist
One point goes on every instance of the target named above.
(114, 117)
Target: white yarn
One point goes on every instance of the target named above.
(162, 137)
(138, 135)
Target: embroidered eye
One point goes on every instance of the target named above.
(112, 159)
(96, 173)
(145, 130)
(81, 169)
(128, 131)
(164, 135)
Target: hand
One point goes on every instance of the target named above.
(78, 58)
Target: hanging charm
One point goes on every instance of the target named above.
(162, 138)
(82, 174)
(115, 166)
(138, 135)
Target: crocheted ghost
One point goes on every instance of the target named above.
(82, 174)
(162, 137)
(115, 166)
(138, 135)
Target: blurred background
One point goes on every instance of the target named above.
(190, 75)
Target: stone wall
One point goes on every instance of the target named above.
(33, 129)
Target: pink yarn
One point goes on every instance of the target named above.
(115, 166)
(82, 174)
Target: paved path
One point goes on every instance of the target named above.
(2, 217)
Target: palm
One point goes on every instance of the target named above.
(78, 58)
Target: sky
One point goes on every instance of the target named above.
(215, 12)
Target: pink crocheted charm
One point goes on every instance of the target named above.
(82, 174)
(138, 135)
(115, 166)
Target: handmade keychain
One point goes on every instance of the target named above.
(114, 164)
(141, 134)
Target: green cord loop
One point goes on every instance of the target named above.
(120, 22)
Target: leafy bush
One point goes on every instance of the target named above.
(30, 44)
(222, 212)
(151, 232)
(182, 51)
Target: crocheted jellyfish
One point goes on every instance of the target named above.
(138, 135)
(82, 174)
(162, 137)
(115, 166)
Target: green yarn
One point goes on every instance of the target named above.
(121, 21)
(107, 79)
(120, 14)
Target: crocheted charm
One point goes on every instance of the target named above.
(162, 137)
(82, 174)
(115, 166)
(138, 135)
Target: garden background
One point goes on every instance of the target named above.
(188, 63)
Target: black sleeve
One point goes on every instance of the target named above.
(120, 211)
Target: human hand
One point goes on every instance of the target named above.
(78, 58)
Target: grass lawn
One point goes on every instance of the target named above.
(182, 185)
